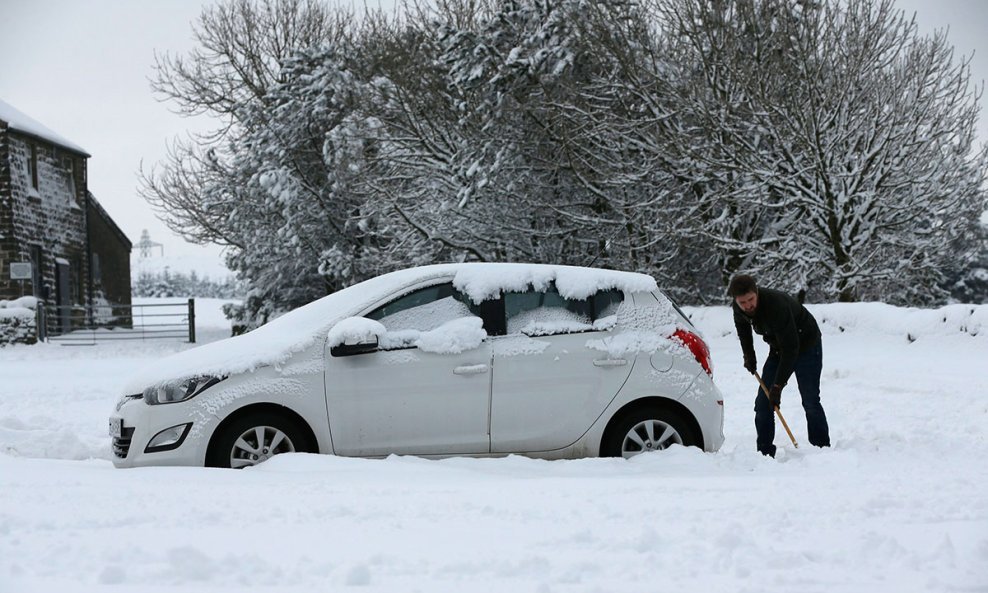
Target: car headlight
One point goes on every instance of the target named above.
(179, 391)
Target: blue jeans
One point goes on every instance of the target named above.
(807, 371)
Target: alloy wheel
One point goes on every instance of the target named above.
(259, 444)
(649, 435)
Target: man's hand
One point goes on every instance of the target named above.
(750, 364)
(775, 395)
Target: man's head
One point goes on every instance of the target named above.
(744, 291)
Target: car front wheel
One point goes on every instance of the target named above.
(255, 438)
(645, 430)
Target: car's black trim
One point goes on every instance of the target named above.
(121, 444)
(172, 446)
(354, 349)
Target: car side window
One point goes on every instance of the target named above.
(424, 309)
(605, 306)
(542, 313)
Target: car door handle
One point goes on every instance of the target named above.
(610, 362)
(471, 369)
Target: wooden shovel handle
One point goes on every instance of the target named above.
(778, 412)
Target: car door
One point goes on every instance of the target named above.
(549, 387)
(407, 399)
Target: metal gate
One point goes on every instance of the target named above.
(79, 325)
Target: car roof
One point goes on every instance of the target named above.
(276, 341)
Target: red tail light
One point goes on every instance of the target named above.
(697, 346)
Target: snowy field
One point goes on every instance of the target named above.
(900, 503)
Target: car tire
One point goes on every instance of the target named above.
(254, 438)
(648, 428)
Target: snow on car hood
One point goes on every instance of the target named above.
(275, 342)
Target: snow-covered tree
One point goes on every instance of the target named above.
(567, 98)
(203, 191)
(813, 143)
(848, 133)
(166, 283)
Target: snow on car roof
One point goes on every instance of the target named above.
(275, 342)
(483, 281)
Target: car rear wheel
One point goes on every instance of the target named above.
(645, 430)
(255, 438)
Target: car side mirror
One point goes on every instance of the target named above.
(370, 345)
(354, 335)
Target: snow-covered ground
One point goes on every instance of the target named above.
(900, 503)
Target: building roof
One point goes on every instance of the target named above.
(25, 124)
(98, 208)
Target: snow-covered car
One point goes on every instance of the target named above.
(455, 359)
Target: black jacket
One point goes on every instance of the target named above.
(785, 324)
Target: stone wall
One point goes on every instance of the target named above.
(51, 216)
(18, 324)
(8, 246)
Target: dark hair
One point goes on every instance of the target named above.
(741, 284)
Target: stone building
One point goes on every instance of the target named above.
(80, 259)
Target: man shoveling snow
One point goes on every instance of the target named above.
(795, 347)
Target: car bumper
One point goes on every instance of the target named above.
(706, 402)
(138, 426)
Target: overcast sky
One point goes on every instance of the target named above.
(81, 68)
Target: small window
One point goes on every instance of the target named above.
(31, 162)
(97, 270)
(34, 166)
(69, 167)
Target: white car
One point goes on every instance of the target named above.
(456, 359)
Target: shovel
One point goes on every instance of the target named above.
(778, 412)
